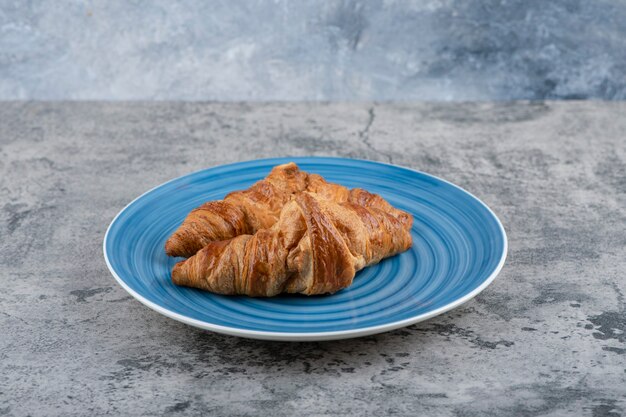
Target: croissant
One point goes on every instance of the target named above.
(246, 211)
(316, 247)
(258, 207)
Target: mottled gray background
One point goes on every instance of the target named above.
(546, 339)
(320, 50)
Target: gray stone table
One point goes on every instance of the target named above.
(546, 338)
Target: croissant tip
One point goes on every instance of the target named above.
(178, 275)
(171, 248)
(288, 166)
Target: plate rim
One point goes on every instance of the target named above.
(311, 336)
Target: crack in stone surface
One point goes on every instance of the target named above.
(364, 135)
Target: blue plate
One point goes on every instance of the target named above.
(459, 246)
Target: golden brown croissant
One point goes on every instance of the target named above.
(246, 211)
(316, 247)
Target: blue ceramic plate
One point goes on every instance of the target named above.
(459, 246)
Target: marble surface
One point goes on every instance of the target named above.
(547, 338)
(320, 50)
